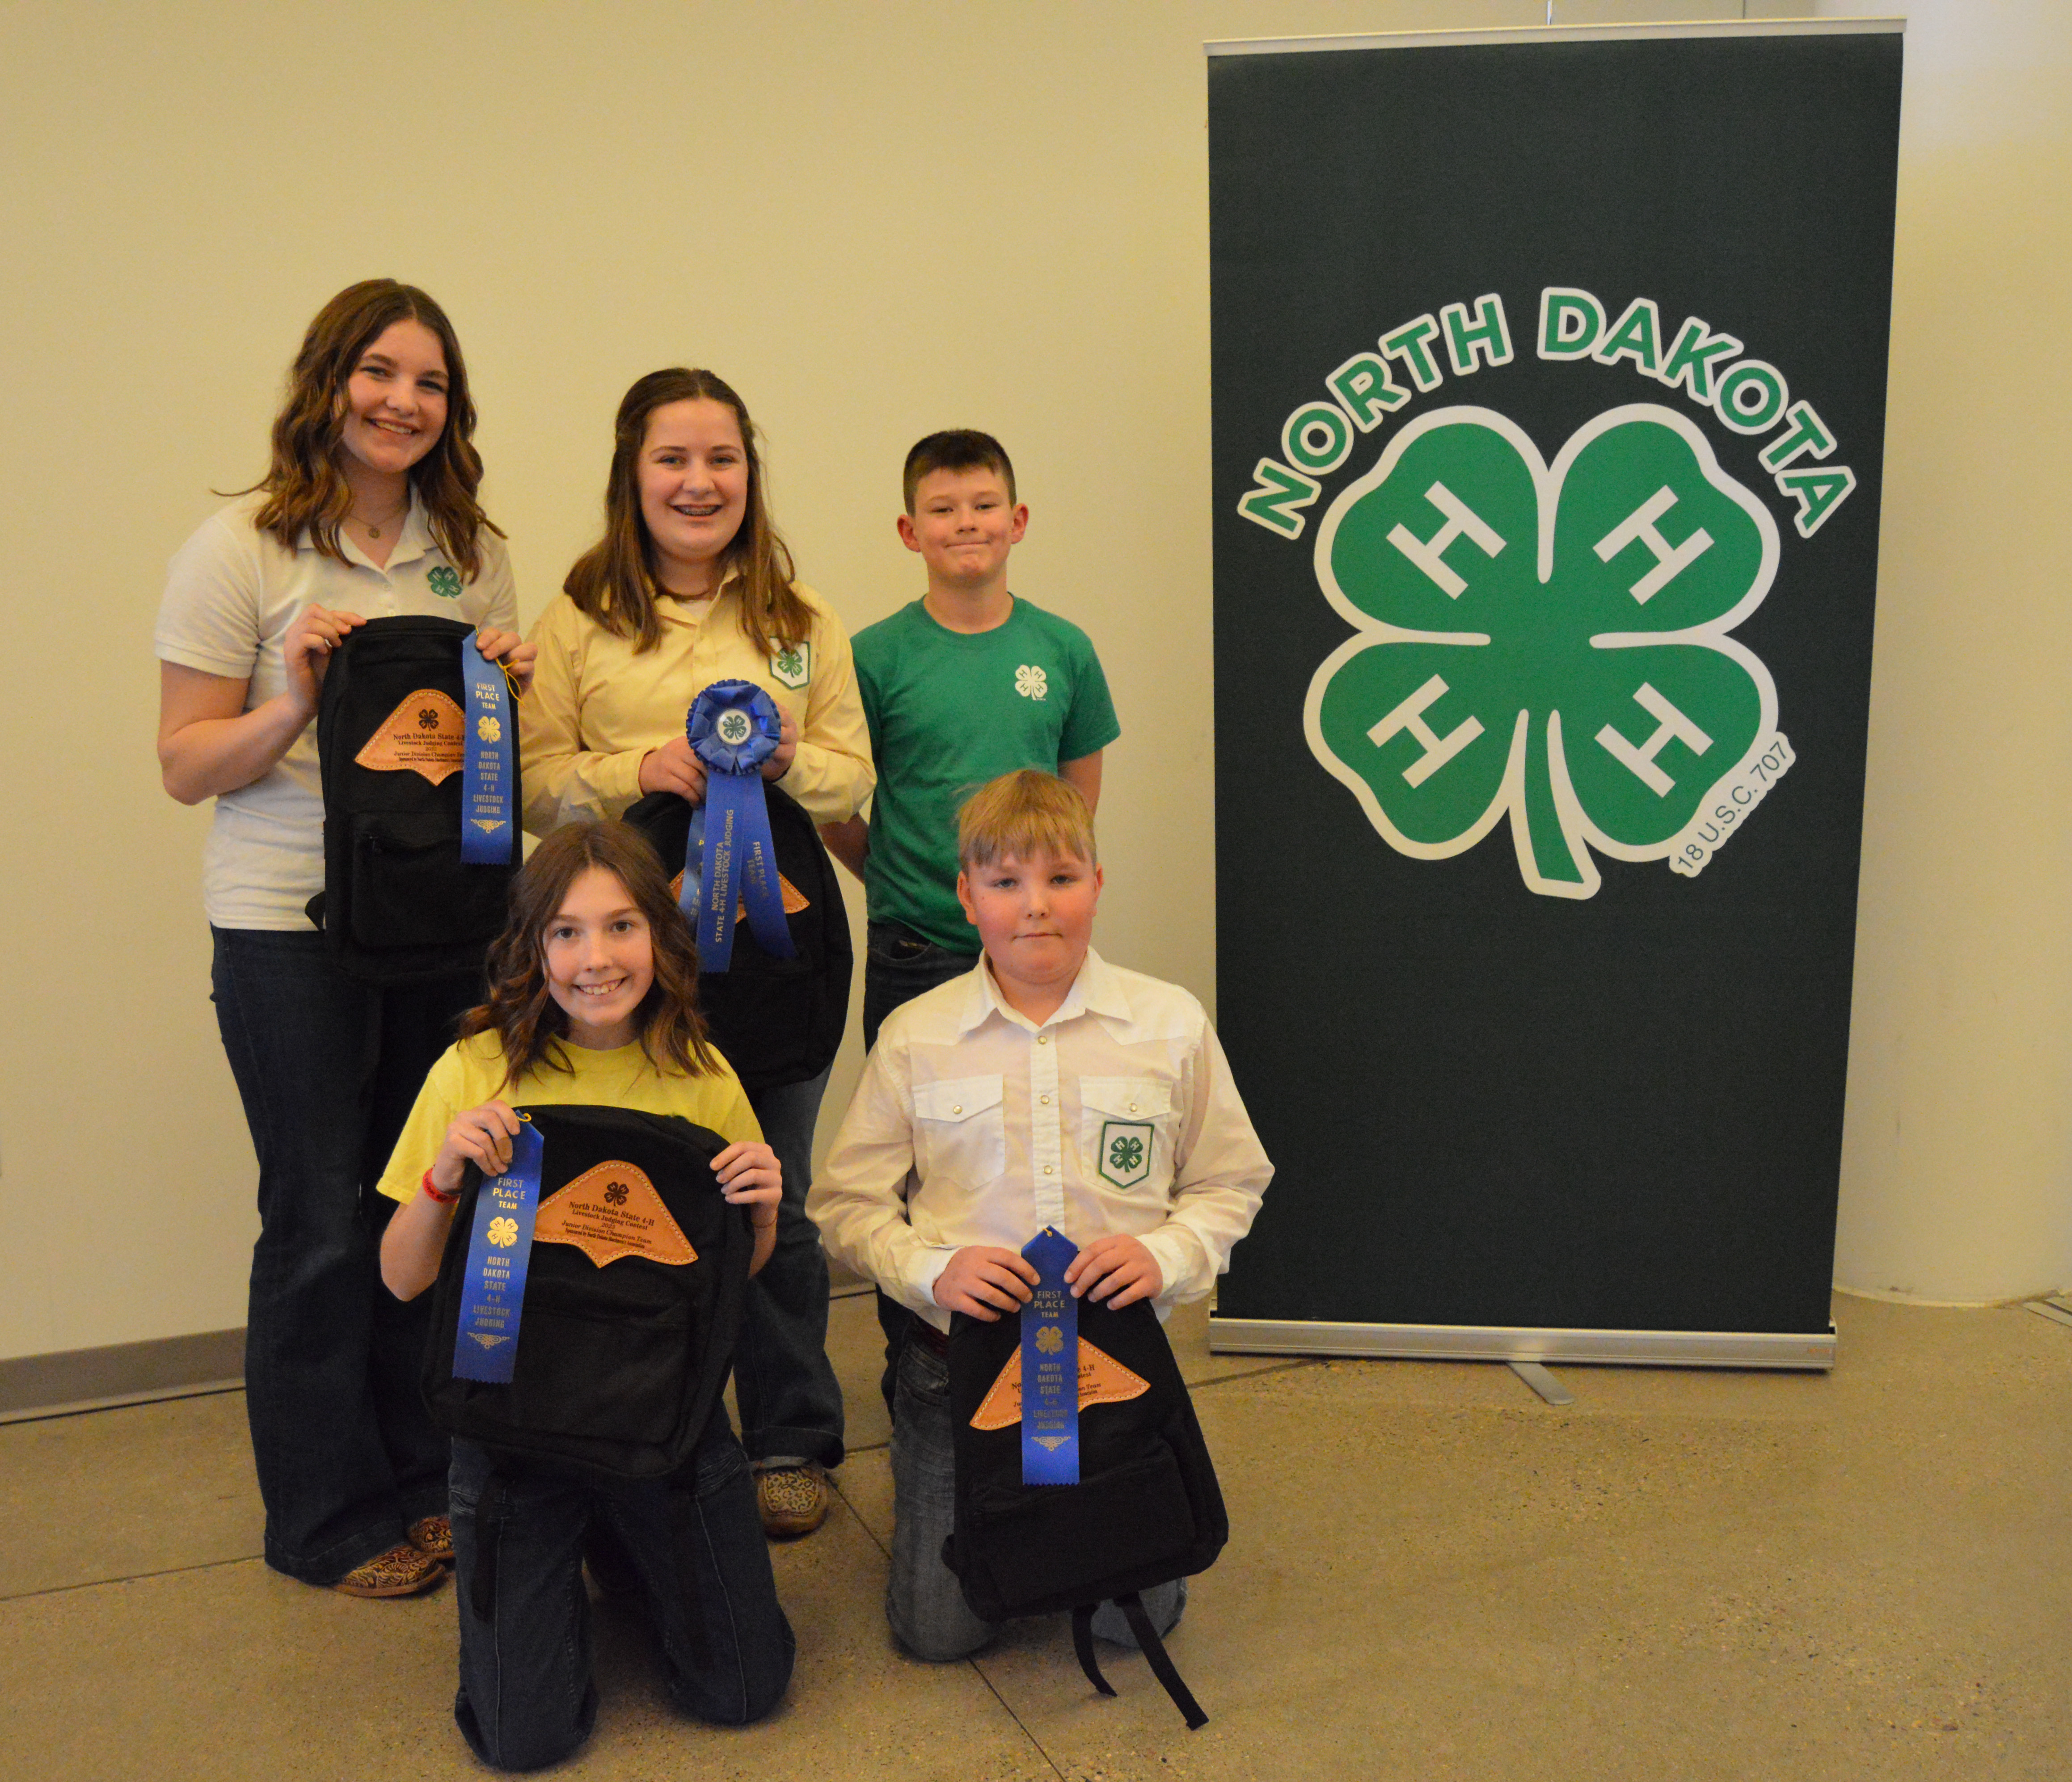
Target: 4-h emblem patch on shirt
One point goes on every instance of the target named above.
(792, 664)
(443, 581)
(1125, 1152)
(1030, 682)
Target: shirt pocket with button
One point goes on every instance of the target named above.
(1126, 1132)
(960, 1129)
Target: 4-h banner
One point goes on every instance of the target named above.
(1549, 406)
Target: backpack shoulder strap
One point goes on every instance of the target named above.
(1083, 1644)
(1155, 1655)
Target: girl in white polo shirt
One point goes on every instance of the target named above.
(367, 509)
(691, 584)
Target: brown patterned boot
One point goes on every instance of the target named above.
(433, 1536)
(401, 1571)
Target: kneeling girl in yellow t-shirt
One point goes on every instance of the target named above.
(591, 1000)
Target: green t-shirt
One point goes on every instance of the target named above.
(948, 711)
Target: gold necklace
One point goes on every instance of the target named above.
(374, 531)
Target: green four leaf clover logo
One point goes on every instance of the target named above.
(1124, 1155)
(443, 581)
(1545, 643)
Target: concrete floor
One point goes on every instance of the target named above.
(1432, 1575)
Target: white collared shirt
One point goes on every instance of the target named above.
(973, 1125)
(231, 594)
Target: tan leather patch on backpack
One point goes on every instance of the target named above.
(426, 734)
(610, 1212)
(1103, 1380)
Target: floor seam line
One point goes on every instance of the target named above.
(131, 1577)
(1257, 1373)
(870, 1533)
(1020, 1724)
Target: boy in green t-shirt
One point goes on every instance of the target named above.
(966, 684)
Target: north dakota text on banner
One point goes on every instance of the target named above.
(1549, 413)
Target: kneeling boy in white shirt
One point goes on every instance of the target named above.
(1045, 1087)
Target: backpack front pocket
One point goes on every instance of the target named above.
(632, 1369)
(1045, 1543)
(409, 888)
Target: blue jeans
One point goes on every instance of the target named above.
(923, 1599)
(327, 1068)
(690, 1554)
(791, 1402)
(898, 965)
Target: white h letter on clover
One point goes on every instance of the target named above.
(1669, 559)
(1426, 554)
(1669, 722)
(1410, 716)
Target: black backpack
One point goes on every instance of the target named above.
(398, 903)
(1147, 1508)
(778, 1020)
(619, 1363)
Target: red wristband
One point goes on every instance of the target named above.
(433, 1191)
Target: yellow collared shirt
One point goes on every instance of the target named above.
(597, 706)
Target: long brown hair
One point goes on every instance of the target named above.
(521, 1010)
(615, 582)
(307, 492)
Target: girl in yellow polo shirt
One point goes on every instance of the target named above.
(691, 584)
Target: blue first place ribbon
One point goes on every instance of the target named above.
(1051, 1366)
(499, 1249)
(488, 834)
(734, 728)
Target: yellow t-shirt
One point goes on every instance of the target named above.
(472, 1072)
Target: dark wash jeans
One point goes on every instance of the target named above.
(898, 965)
(791, 1402)
(688, 1551)
(327, 1069)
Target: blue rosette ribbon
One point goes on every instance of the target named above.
(734, 728)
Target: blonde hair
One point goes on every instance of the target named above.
(1024, 814)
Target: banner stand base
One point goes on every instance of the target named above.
(1810, 1352)
(1543, 1382)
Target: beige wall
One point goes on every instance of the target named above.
(1957, 1164)
(877, 220)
